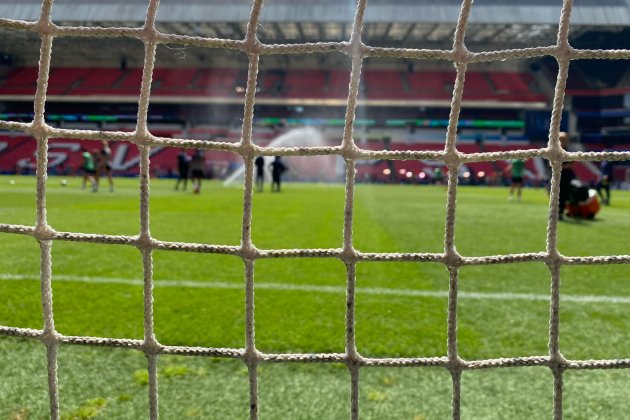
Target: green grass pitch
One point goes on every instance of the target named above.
(401, 307)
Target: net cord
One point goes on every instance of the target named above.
(247, 149)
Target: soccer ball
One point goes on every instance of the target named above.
(12, 182)
(64, 182)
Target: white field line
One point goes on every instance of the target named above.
(325, 289)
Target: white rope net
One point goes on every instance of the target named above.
(350, 152)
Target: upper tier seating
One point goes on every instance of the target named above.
(290, 84)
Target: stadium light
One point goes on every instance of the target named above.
(481, 174)
(466, 174)
(422, 175)
(387, 171)
(409, 174)
(402, 171)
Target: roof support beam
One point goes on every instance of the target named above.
(387, 30)
(432, 31)
(237, 30)
(219, 32)
(407, 34)
(278, 31)
(300, 30)
(498, 32)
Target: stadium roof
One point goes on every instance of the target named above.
(585, 12)
(401, 21)
(493, 24)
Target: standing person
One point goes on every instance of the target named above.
(260, 172)
(104, 165)
(277, 169)
(517, 169)
(197, 166)
(89, 170)
(566, 176)
(438, 176)
(605, 180)
(183, 167)
(547, 176)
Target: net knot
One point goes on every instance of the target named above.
(555, 153)
(44, 233)
(348, 255)
(455, 364)
(557, 362)
(461, 55)
(249, 151)
(39, 129)
(45, 27)
(354, 48)
(142, 137)
(554, 258)
(252, 357)
(563, 52)
(148, 34)
(249, 252)
(354, 360)
(253, 46)
(452, 259)
(144, 242)
(151, 347)
(350, 151)
(452, 159)
(50, 337)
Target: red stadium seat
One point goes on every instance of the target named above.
(20, 81)
(292, 84)
(216, 82)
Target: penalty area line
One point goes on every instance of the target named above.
(324, 289)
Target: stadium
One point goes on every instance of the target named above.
(367, 287)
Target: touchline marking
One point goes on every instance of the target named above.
(324, 289)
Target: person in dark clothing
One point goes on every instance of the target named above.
(605, 180)
(260, 172)
(566, 176)
(197, 169)
(104, 165)
(183, 166)
(89, 169)
(277, 169)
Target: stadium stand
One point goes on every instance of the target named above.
(61, 79)
(215, 82)
(304, 83)
(308, 83)
(174, 81)
(129, 85)
(19, 81)
(431, 84)
(98, 81)
(383, 84)
(16, 152)
(336, 85)
(298, 83)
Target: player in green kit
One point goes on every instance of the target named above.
(517, 168)
(438, 176)
(89, 169)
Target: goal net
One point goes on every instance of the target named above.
(350, 152)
